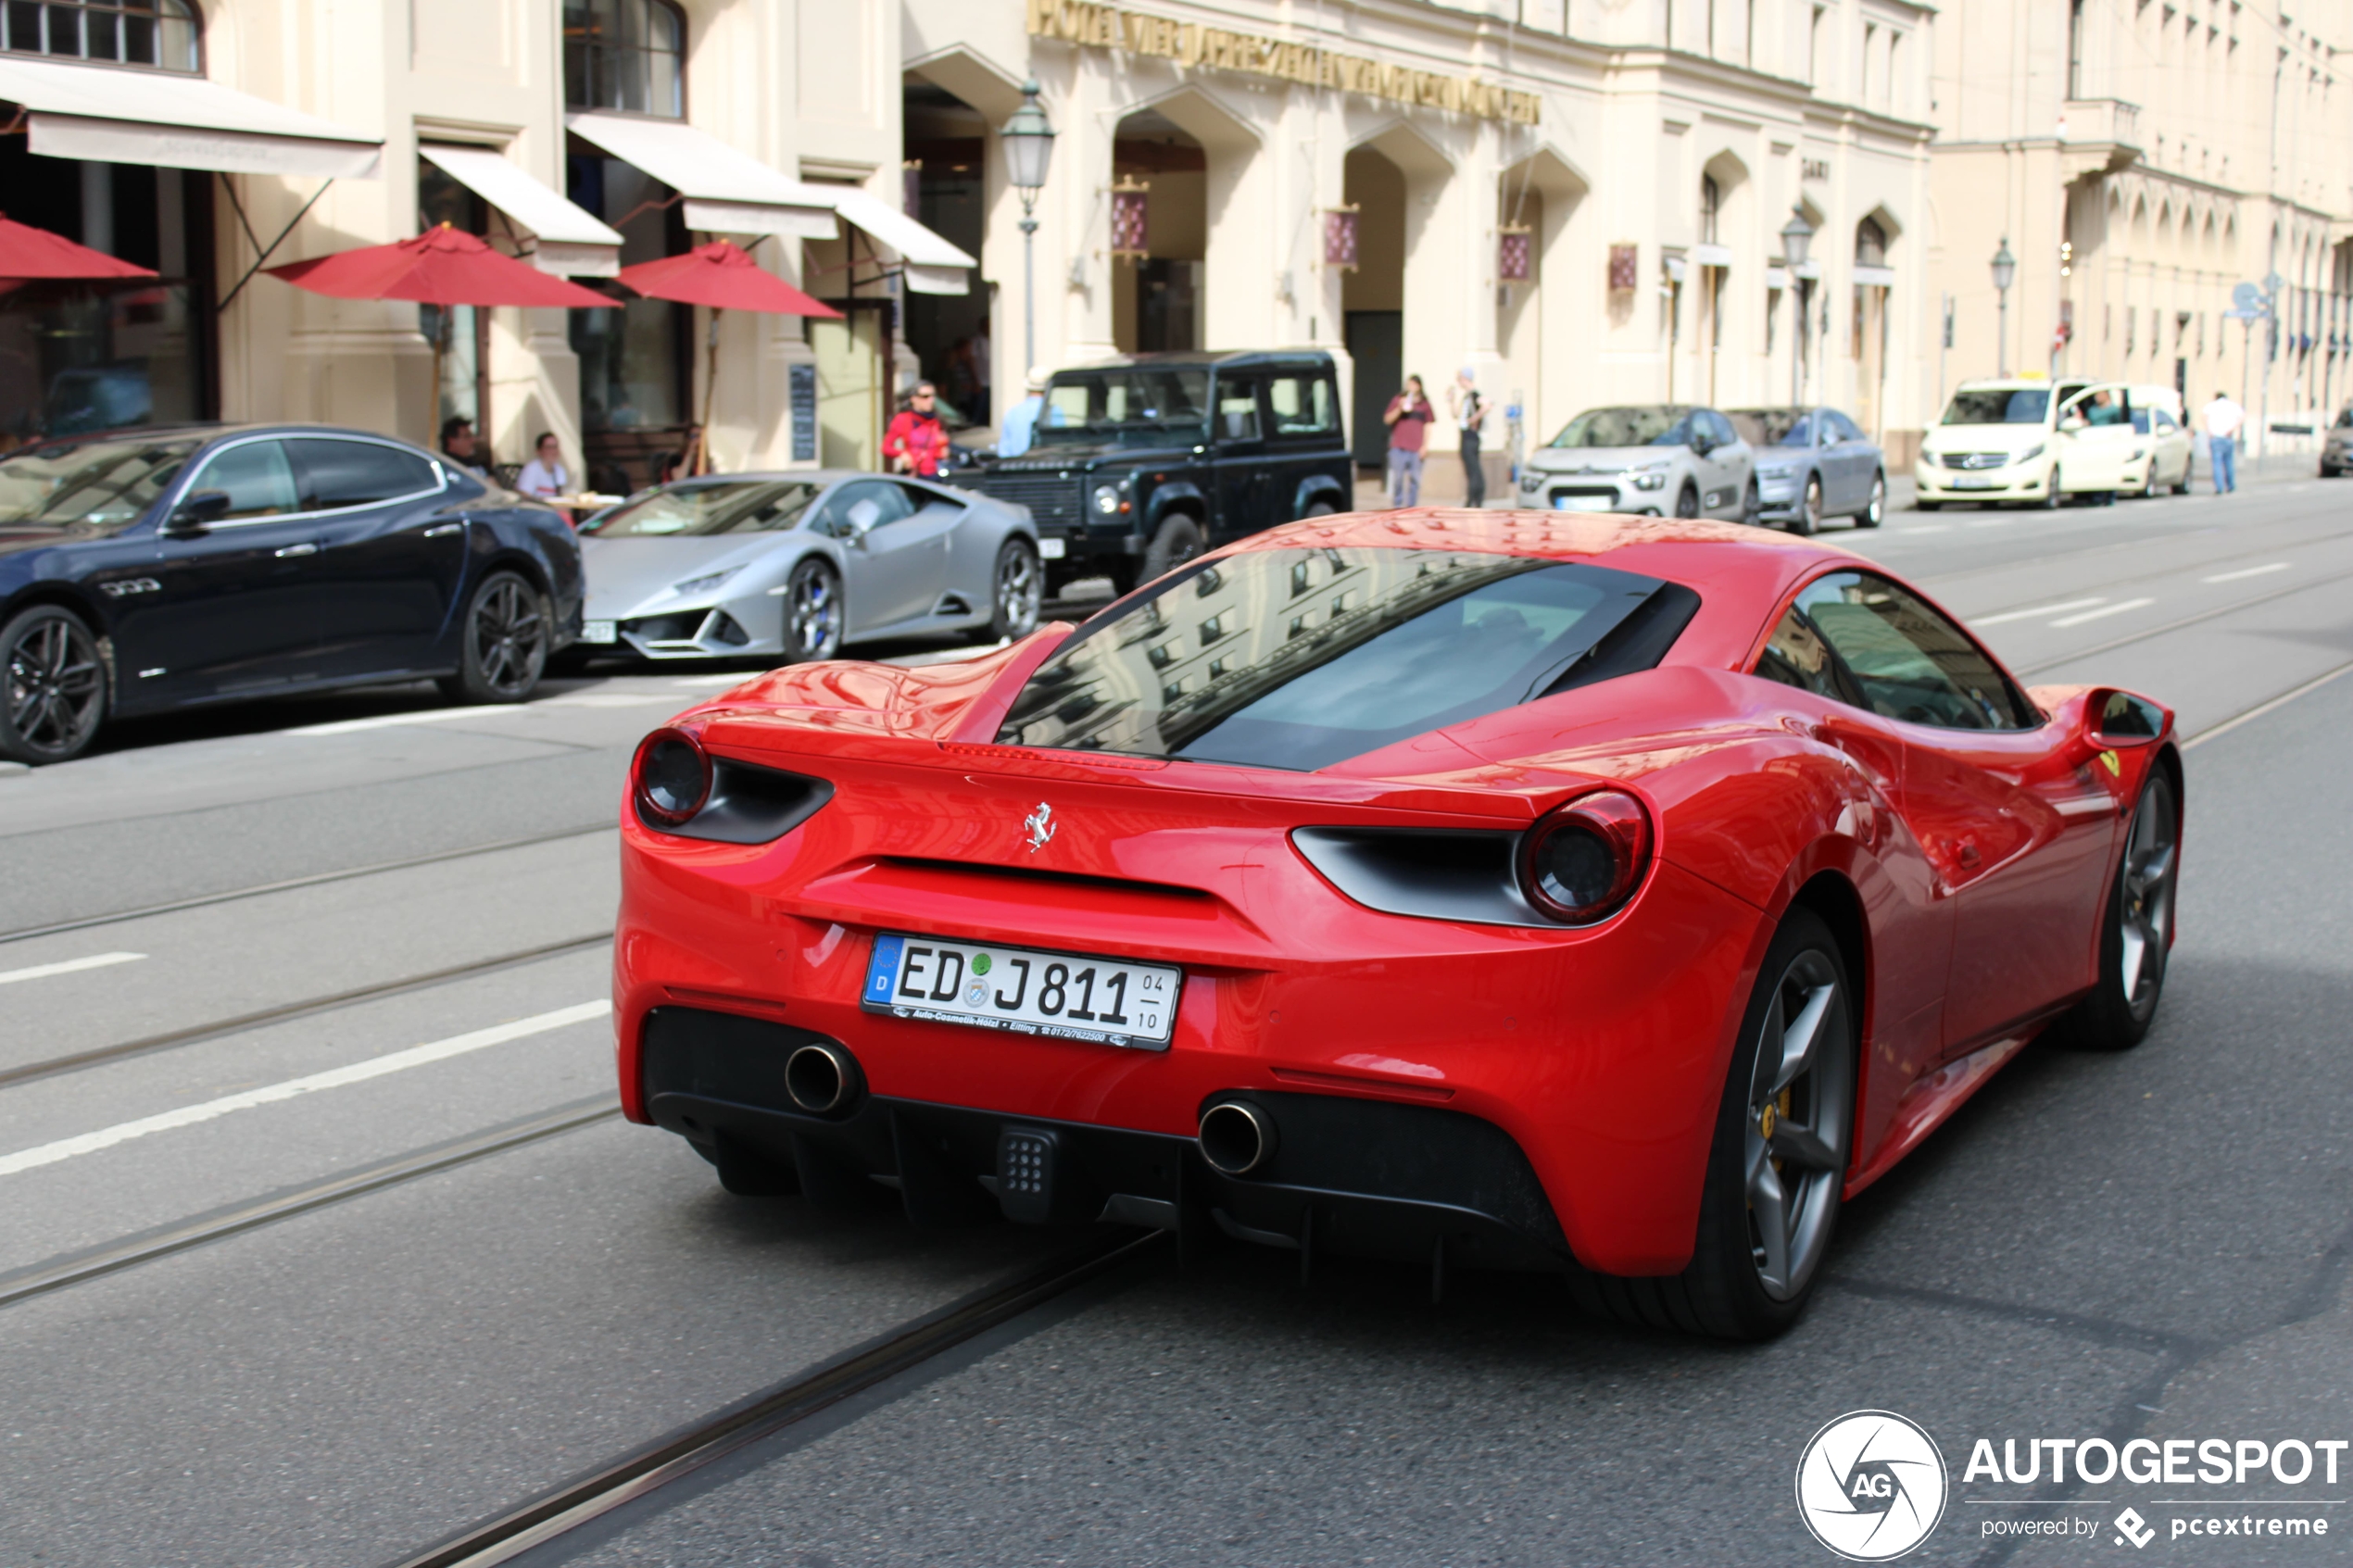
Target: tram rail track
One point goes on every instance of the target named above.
(195, 1033)
(509, 1535)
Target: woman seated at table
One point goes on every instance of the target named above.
(545, 476)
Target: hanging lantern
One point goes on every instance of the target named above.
(1340, 238)
(1130, 218)
(1514, 256)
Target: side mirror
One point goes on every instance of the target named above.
(1702, 446)
(198, 510)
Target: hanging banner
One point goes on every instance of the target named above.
(1339, 239)
(1623, 270)
(1513, 256)
(1130, 216)
(1208, 48)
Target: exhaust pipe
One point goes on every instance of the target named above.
(822, 1079)
(1237, 1137)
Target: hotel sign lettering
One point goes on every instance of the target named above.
(1189, 44)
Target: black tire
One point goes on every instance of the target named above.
(2183, 487)
(1752, 507)
(2137, 930)
(1810, 508)
(54, 699)
(1176, 541)
(1875, 511)
(503, 643)
(1928, 506)
(1735, 1288)
(814, 614)
(1317, 508)
(1017, 588)
(2056, 497)
(1687, 502)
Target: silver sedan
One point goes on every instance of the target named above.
(795, 565)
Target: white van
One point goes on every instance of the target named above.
(2029, 440)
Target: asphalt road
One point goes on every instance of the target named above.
(260, 953)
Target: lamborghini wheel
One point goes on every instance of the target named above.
(1018, 589)
(812, 612)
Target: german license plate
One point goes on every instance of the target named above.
(1066, 996)
(597, 632)
(1976, 482)
(1584, 503)
(1052, 549)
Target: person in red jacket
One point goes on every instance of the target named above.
(916, 440)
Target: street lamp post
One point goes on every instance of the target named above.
(1029, 148)
(1797, 238)
(2004, 270)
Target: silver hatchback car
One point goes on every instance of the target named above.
(1660, 460)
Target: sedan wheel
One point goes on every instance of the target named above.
(1019, 589)
(56, 686)
(2137, 936)
(1687, 504)
(1778, 1167)
(1873, 515)
(1809, 510)
(812, 612)
(505, 649)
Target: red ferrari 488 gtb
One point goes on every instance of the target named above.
(1481, 889)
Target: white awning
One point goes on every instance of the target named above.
(931, 264)
(726, 192)
(1874, 277)
(120, 115)
(1712, 255)
(571, 242)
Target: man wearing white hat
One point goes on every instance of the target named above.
(1021, 420)
(1469, 411)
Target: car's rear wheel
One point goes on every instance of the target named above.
(1176, 541)
(1686, 503)
(1778, 1161)
(1809, 510)
(812, 612)
(1872, 515)
(1018, 588)
(503, 650)
(2136, 934)
(55, 691)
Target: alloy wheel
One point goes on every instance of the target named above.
(1809, 514)
(55, 687)
(510, 637)
(2146, 891)
(1799, 1108)
(1876, 512)
(812, 615)
(1019, 591)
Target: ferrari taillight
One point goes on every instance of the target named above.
(671, 778)
(1585, 859)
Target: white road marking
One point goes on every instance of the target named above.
(70, 966)
(336, 1078)
(2030, 614)
(605, 699)
(387, 720)
(699, 682)
(1927, 528)
(2249, 571)
(2104, 611)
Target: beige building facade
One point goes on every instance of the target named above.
(1582, 202)
(2142, 163)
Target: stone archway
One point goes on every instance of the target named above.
(1193, 288)
(1536, 322)
(1393, 179)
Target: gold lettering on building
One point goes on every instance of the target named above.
(1101, 25)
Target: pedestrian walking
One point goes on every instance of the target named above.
(1470, 412)
(2223, 419)
(1408, 418)
(916, 440)
(1021, 421)
(545, 476)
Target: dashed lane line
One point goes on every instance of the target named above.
(67, 966)
(2059, 608)
(2103, 613)
(335, 1078)
(2249, 571)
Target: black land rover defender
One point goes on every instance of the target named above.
(1141, 465)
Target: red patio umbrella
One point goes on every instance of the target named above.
(445, 267)
(27, 253)
(723, 276)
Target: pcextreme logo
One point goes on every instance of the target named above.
(1871, 1486)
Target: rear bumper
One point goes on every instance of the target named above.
(1409, 1182)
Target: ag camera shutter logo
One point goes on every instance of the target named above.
(1871, 1486)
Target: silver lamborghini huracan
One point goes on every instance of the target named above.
(795, 565)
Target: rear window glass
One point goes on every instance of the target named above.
(1299, 659)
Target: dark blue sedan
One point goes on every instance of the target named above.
(148, 570)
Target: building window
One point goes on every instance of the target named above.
(1870, 244)
(2075, 49)
(625, 55)
(160, 34)
(1711, 208)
